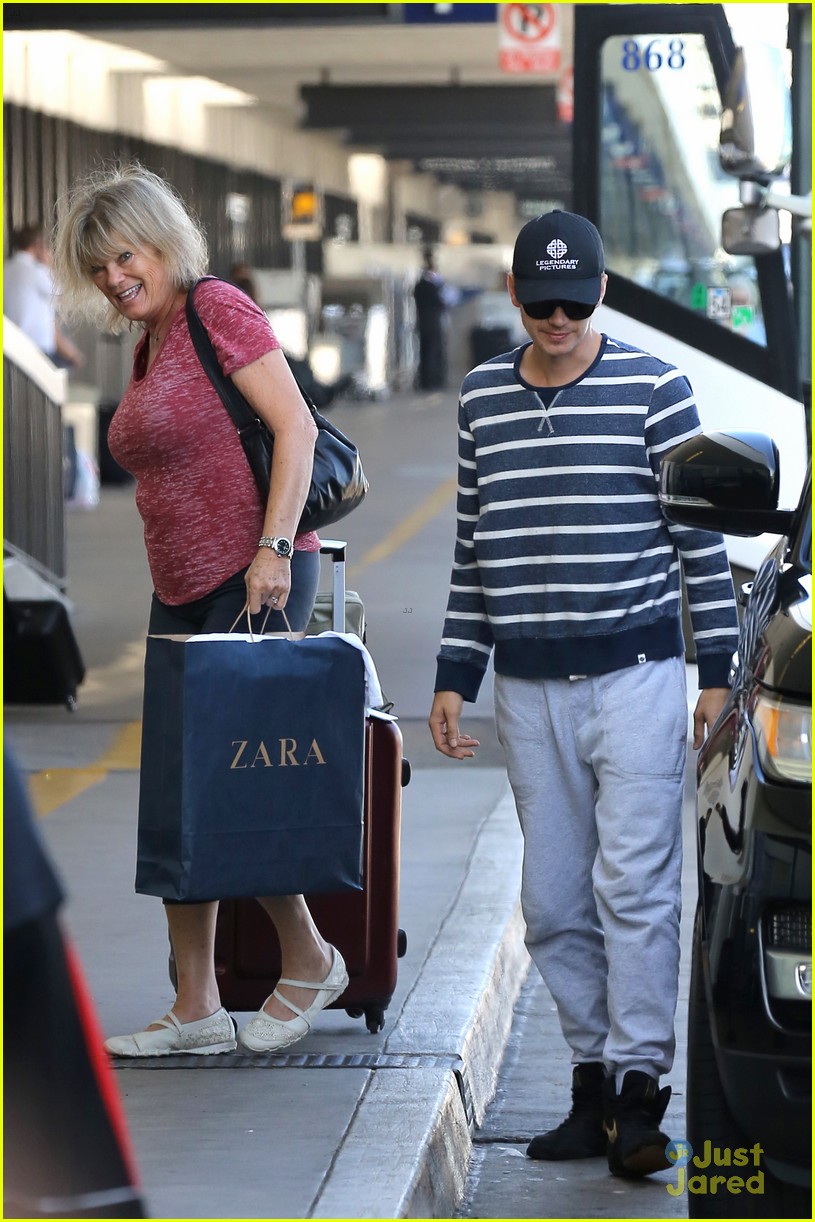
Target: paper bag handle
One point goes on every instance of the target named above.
(269, 610)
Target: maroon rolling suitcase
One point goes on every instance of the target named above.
(363, 925)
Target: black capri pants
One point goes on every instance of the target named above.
(218, 611)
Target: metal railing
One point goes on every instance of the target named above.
(33, 502)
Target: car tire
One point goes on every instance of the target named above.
(708, 1117)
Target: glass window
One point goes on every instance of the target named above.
(662, 189)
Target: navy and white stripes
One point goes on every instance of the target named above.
(563, 561)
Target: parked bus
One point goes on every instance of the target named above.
(709, 267)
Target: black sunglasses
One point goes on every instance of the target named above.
(575, 310)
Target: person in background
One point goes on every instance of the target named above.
(566, 567)
(433, 298)
(127, 253)
(28, 297)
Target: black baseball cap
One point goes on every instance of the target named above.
(558, 255)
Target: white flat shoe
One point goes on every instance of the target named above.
(266, 1034)
(205, 1036)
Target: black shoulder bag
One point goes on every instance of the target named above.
(338, 483)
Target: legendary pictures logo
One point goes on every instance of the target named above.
(681, 1154)
(556, 262)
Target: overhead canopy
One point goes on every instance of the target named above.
(488, 137)
(372, 73)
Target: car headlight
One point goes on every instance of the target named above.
(784, 738)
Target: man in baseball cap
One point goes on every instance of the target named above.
(558, 255)
(566, 571)
(557, 281)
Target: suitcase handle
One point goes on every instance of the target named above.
(336, 549)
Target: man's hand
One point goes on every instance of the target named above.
(708, 707)
(443, 722)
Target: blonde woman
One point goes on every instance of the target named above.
(126, 253)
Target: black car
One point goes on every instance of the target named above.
(749, 1099)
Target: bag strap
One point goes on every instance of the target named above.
(243, 416)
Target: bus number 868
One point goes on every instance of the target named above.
(652, 58)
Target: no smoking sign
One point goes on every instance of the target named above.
(529, 38)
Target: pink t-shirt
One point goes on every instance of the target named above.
(202, 510)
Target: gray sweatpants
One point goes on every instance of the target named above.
(596, 766)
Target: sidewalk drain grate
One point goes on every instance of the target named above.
(312, 1060)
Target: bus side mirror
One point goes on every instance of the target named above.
(751, 230)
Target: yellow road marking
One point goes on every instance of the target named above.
(124, 752)
(54, 786)
(406, 529)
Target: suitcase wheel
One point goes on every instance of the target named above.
(405, 772)
(401, 944)
(374, 1018)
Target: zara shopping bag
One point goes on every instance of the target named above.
(252, 767)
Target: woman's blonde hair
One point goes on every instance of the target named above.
(127, 203)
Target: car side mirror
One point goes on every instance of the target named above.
(727, 482)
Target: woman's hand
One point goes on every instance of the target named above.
(268, 581)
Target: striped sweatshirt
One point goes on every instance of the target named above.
(564, 562)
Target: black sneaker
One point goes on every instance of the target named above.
(581, 1134)
(636, 1144)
